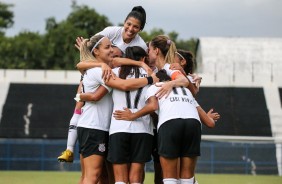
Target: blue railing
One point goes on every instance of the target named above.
(217, 157)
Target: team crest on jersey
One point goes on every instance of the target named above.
(102, 147)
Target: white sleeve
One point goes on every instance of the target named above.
(142, 43)
(116, 71)
(109, 32)
(196, 103)
(151, 91)
(97, 73)
(191, 79)
(169, 71)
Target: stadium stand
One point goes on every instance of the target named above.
(243, 111)
(37, 111)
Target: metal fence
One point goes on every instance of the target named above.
(217, 156)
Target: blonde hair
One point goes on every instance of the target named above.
(166, 46)
(87, 46)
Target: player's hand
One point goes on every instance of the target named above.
(126, 114)
(146, 68)
(107, 72)
(166, 88)
(115, 62)
(213, 115)
(78, 43)
(197, 79)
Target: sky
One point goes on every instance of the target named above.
(189, 18)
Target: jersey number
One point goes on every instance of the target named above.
(136, 99)
(182, 89)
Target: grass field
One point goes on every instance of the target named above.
(46, 177)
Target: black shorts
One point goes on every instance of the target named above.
(130, 148)
(155, 154)
(179, 138)
(92, 141)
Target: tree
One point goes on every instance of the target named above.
(187, 45)
(6, 16)
(173, 36)
(59, 41)
(60, 37)
(85, 18)
(24, 51)
(153, 33)
(55, 49)
(180, 44)
(50, 24)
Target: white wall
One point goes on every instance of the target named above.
(40, 76)
(241, 61)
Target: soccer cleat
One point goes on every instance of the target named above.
(66, 156)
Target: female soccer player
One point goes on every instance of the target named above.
(121, 37)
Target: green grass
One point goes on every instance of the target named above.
(46, 177)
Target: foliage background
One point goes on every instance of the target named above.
(55, 49)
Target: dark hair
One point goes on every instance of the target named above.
(135, 53)
(114, 46)
(138, 12)
(162, 75)
(189, 57)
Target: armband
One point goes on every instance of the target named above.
(150, 80)
(77, 98)
(175, 74)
